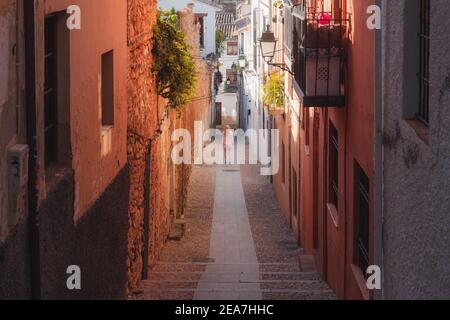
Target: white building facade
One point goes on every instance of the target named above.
(252, 17)
(205, 12)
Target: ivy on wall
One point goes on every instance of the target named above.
(221, 37)
(173, 63)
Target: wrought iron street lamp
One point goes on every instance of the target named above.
(268, 44)
(242, 62)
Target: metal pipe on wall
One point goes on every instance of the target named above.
(30, 89)
(378, 229)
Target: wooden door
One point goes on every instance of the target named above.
(218, 113)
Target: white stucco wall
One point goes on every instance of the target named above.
(199, 8)
(416, 206)
(251, 83)
(259, 10)
(230, 115)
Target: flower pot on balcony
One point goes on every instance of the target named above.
(325, 36)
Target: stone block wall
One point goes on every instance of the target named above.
(142, 122)
(150, 126)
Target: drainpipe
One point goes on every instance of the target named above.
(325, 195)
(378, 229)
(147, 210)
(270, 12)
(30, 85)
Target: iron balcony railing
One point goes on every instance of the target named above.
(319, 56)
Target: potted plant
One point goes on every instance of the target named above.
(274, 96)
(321, 35)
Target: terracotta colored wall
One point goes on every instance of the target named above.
(14, 257)
(355, 124)
(282, 188)
(8, 103)
(81, 214)
(96, 160)
(361, 135)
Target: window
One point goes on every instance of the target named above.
(50, 91)
(362, 197)
(291, 86)
(416, 65)
(200, 19)
(232, 48)
(334, 166)
(283, 163)
(306, 121)
(256, 26)
(108, 89)
(298, 52)
(295, 203)
(288, 36)
(57, 148)
(424, 56)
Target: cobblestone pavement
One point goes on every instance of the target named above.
(285, 273)
(237, 245)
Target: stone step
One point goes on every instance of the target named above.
(213, 267)
(292, 296)
(234, 276)
(188, 294)
(298, 285)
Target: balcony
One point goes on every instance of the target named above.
(319, 57)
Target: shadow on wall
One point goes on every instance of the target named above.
(15, 265)
(97, 243)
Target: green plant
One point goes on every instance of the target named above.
(274, 96)
(173, 63)
(221, 37)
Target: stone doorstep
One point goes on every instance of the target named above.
(177, 230)
(307, 263)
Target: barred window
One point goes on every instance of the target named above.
(362, 188)
(424, 68)
(334, 166)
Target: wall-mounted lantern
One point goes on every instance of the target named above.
(268, 44)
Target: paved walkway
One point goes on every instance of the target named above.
(231, 247)
(237, 245)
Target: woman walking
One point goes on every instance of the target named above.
(228, 144)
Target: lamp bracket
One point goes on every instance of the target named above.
(282, 66)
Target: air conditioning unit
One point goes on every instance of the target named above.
(17, 182)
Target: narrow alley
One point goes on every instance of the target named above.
(224, 150)
(236, 245)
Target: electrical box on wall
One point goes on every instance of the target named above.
(17, 181)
